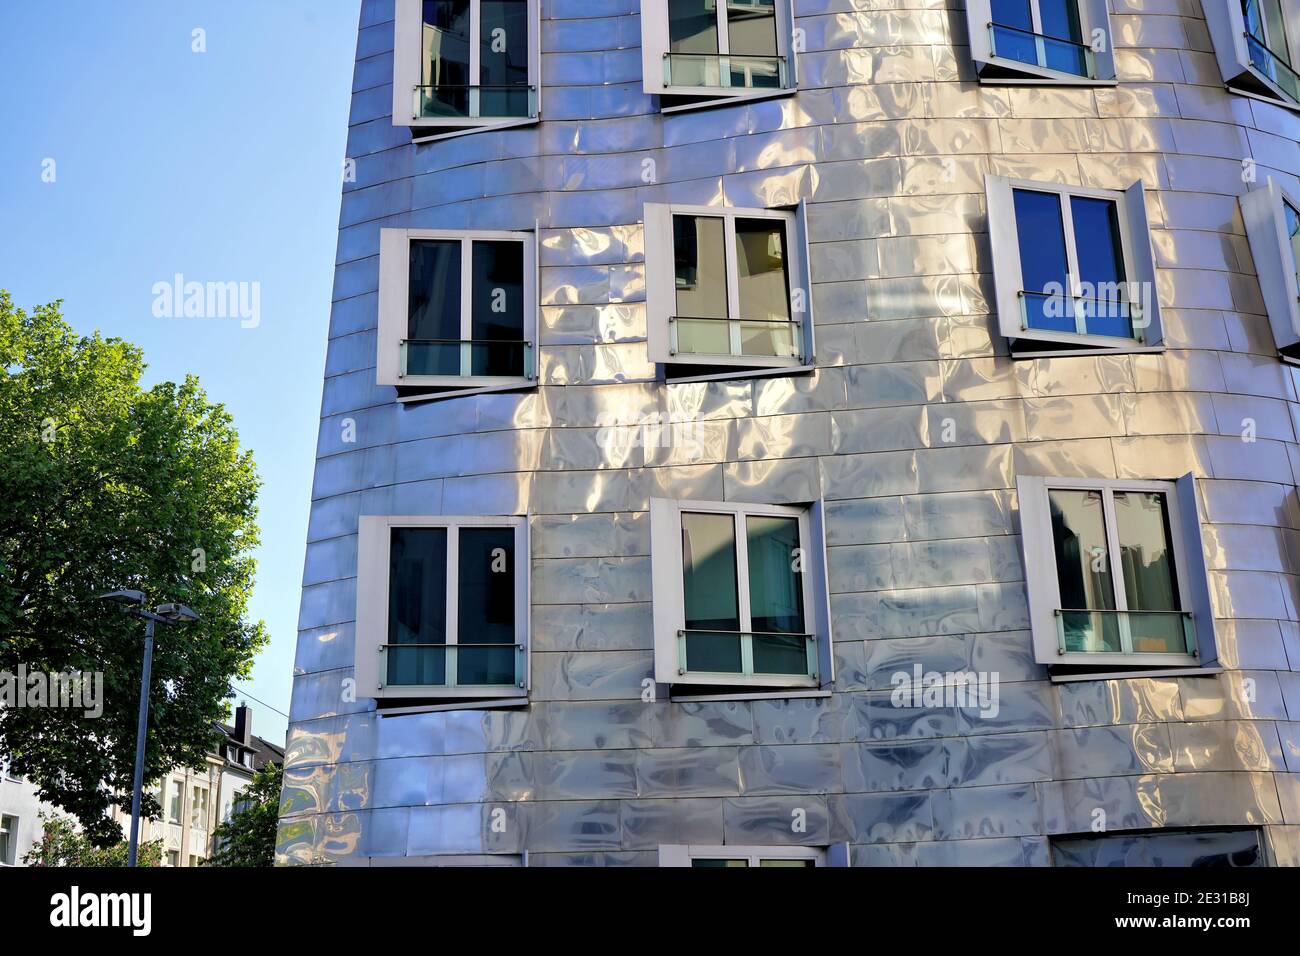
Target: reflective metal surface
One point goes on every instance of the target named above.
(888, 138)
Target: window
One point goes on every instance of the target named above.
(726, 290)
(1272, 218)
(1116, 572)
(173, 858)
(1073, 267)
(741, 856)
(1065, 42)
(442, 608)
(199, 808)
(700, 52)
(1257, 44)
(740, 595)
(177, 798)
(457, 311)
(1183, 848)
(8, 840)
(461, 65)
(195, 859)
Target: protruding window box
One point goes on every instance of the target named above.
(465, 65)
(1257, 44)
(1073, 268)
(1272, 218)
(457, 312)
(442, 609)
(740, 596)
(699, 53)
(1042, 42)
(727, 291)
(1116, 573)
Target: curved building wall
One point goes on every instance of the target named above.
(888, 139)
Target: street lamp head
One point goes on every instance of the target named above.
(129, 598)
(176, 613)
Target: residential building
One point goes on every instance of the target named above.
(820, 433)
(20, 811)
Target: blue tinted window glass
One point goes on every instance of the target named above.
(1013, 27)
(1101, 266)
(1013, 13)
(1043, 261)
(1060, 19)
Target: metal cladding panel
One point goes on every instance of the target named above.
(912, 430)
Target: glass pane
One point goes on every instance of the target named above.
(1293, 233)
(1206, 848)
(1060, 19)
(503, 58)
(445, 63)
(764, 285)
(486, 606)
(692, 26)
(800, 863)
(1083, 570)
(775, 581)
(1101, 266)
(701, 283)
(433, 306)
(703, 862)
(497, 303)
(751, 28)
(1017, 42)
(710, 592)
(417, 605)
(1043, 261)
(1150, 579)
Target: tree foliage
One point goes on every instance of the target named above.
(61, 845)
(248, 837)
(109, 485)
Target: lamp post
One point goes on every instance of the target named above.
(133, 603)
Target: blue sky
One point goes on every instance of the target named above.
(224, 166)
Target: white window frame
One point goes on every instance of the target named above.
(1265, 216)
(1093, 15)
(9, 824)
(654, 48)
(1044, 585)
(394, 299)
(1227, 23)
(678, 855)
(1008, 277)
(408, 51)
(197, 804)
(178, 804)
(661, 289)
(373, 562)
(668, 591)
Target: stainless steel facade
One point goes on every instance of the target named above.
(889, 138)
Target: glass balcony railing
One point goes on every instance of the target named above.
(1125, 632)
(748, 338)
(1047, 312)
(466, 358)
(452, 665)
(449, 101)
(1274, 67)
(1036, 49)
(714, 70)
(751, 653)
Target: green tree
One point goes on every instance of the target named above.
(109, 485)
(61, 845)
(248, 837)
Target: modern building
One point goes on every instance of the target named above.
(760, 432)
(196, 800)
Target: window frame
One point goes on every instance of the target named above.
(374, 541)
(1263, 209)
(197, 804)
(997, 70)
(668, 592)
(1043, 583)
(394, 301)
(661, 289)
(1227, 23)
(408, 21)
(1008, 275)
(655, 35)
(177, 819)
(681, 855)
(10, 833)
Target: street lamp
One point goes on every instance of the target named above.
(132, 603)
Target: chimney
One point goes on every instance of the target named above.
(243, 725)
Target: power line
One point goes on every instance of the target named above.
(262, 702)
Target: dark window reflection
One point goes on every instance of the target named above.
(486, 606)
(1083, 571)
(1101, 266)
(417, 605)
(497, 303)
(433, 307)
(1044, 262)
(1212, 849)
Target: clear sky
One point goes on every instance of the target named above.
(224, 166)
